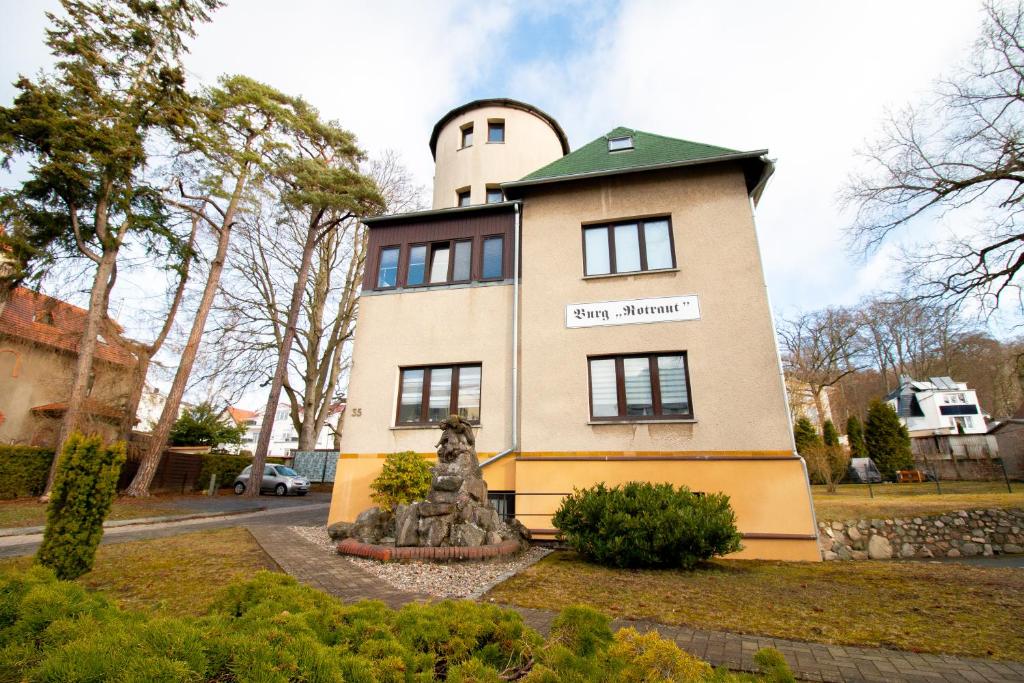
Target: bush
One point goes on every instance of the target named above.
(23, 470)
(887, 440)
(855, 436)
(83, 491)
(404, 478)
(830, 435)
(202, 426)
(805, 435)
(827, 464)
(272, 629)
(647, 525)
(226, 467)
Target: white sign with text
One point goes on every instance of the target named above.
(634, 312)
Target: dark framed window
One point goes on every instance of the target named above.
(429, 394)
(492, 266)
(439, 263)
(467, 135)
(646, 386)
(462, 197)
(495, 195)
(496, 131)
(628, 247)
(387, 269)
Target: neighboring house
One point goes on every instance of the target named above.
(151, 407)
(801, 403)
(596, 313)
(938, 406)
(283, 437)
(948, 433)
(39, 338)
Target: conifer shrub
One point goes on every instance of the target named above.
(404, 478)
(272, 629)
(83, 491)
(640, 524)
(887, 440)
(855, 437)
(805, 435)
(23, 470)
(829, 433)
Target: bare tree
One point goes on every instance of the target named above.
(962, 148)
(265, 264)
(821, 348)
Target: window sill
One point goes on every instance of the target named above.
(632, 274)
(433, 425)
(598, 423)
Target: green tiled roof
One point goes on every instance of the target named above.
(648, 150)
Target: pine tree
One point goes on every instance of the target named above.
(887, 441)
(806, 435)
(855, 437)
(831, 434)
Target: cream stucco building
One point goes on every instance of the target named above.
(597, 313)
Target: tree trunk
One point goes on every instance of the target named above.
(86, 354)
(819, 405)
(260, 457)
(138, 384)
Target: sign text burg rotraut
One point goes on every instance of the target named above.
(633, 312)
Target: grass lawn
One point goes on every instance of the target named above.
(30, 512)
(851, 501)
(174, 576)
(923, 607)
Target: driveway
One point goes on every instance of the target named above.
(308, 510)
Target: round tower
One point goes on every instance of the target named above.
(484, 143)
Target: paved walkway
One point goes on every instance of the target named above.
(810, 661)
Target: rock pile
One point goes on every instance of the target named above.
(456, 512)
(964, 533)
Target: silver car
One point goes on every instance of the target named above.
(277, 479)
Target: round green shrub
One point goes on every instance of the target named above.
(641, 524)
(404, 478)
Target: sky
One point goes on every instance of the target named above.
(810, 81)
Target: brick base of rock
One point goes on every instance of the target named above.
(965, 533)
(390, 553)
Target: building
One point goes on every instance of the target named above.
(938, 406)
(39, 338)
(948, 433)
(283, 438)
(151, 407)
(596, 313)
(802, 404)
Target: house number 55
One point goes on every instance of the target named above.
(357, 412)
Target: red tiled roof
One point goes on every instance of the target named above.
(25, 310)
(240, 415)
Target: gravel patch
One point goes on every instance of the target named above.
(467, 580)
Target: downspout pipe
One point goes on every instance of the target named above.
(514, 427)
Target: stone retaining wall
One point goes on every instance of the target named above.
(964, 533)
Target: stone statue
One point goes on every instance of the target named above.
(456, 512)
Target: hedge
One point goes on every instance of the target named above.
(271, 629)
(23, 470)
(226, 467)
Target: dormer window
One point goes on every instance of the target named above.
(620, 143)
(45, 317)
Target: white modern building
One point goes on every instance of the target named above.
(939, 406)
(283, 438)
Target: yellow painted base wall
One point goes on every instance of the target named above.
(769, 493)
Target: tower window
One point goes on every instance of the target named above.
(620, 143)
(467, 135)
(496, 131)
(462, 197)
(495, 195)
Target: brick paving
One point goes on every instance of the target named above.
(810, 661)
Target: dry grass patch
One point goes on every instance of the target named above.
(923, 607)
(174, 576)
(851, 501)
